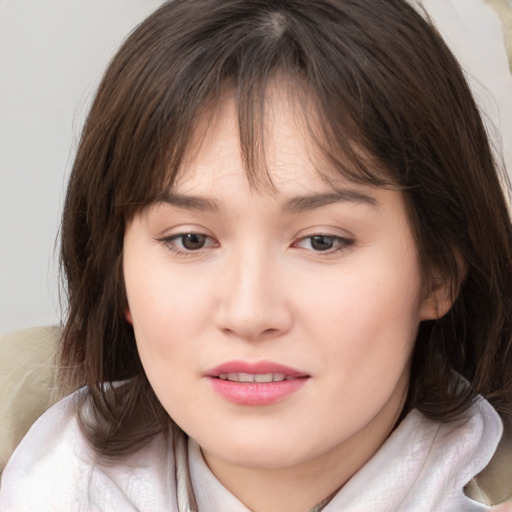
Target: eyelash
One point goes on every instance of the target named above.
(171, 241)
(339, 243)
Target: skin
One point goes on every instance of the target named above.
(257, 287)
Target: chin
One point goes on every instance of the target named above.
(261, 451)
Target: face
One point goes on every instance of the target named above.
(275, 326)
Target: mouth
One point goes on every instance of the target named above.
(251, 377)
(262, 383)
(261, 371)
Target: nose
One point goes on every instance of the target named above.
(253, 303)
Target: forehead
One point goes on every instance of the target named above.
(281, 144)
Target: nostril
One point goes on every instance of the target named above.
(252, 312)
(251, 334)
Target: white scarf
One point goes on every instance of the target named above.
(423, 466)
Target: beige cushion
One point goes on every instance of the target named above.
(27, 382)
(504, 9)
(493, 485)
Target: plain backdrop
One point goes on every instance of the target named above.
(52, 54)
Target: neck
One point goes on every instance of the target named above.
(300, 487)
(278, 490)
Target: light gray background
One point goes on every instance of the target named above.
(52, 53)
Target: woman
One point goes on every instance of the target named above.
(289, 268)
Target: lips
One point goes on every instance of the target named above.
(257, 377)
(261, 383)
(259, 368)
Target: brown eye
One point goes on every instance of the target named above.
(193, 241)
(187, 244)
(326, 244)
(322, 242)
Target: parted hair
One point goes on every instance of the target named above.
(395, 111)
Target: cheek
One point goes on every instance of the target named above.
(169, 312)
(369, 298)
(366, 318)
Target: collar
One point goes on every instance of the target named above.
(423, 465)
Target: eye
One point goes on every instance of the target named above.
(192, 241)
(324, 243)
(184, 243)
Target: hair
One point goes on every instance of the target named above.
(385, 85)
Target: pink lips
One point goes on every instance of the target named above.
(255, 393)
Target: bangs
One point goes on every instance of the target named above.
(170, 94)
(333, 148)
(336, 141)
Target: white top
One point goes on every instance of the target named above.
(423, 466)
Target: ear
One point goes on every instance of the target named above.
(128, 316)
(438, 301)
(441, 292)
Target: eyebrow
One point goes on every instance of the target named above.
(310, 202)
(188, 202)
(294, 205)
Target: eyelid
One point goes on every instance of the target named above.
(169, 241)
(342, 241)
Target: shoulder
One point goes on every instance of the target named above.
(426, 464)
(53, 453)
(493, 485)
(55, 468)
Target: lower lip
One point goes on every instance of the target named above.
(264, 393)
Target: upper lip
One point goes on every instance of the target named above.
(255, 368)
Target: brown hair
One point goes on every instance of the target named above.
(381, 76)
